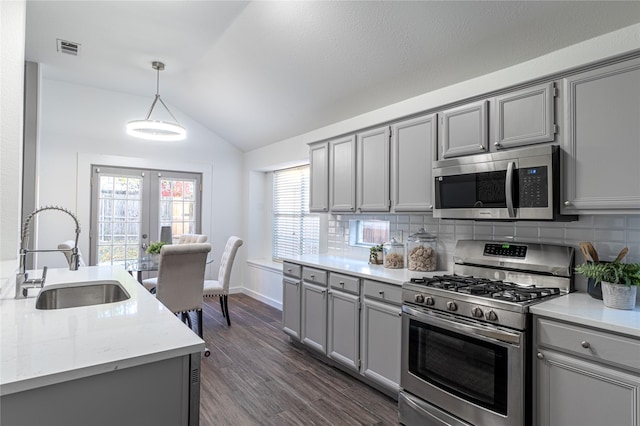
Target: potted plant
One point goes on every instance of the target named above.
(375, 255)
(619, 282)
(154, 250)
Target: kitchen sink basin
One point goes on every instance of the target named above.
(81, 294)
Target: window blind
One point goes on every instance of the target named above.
(295, 230)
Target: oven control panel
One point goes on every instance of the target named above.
(505, 250)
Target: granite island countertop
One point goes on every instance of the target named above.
(44, 347)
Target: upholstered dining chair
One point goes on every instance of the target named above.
(180, 276)
(67, 246)
(192, 238)
(220, 287)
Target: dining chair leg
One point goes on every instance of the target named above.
(222, 307)
(200, 331)
(226, 309)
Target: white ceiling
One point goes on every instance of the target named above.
(260, 72)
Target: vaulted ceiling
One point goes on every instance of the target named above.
(260, 72)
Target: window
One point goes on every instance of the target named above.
(368, 232)
(295, 230)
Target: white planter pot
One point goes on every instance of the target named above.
(619, 296)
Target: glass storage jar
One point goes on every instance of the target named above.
(421, 251)
(393, 254)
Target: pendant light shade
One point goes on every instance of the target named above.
(153, 129)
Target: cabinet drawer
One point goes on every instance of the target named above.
(608, 348)
(344, 283)
(316, 276)
(381, 291)
(291, 270)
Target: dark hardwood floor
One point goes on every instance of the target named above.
(255, 376)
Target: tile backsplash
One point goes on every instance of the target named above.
(608, 233)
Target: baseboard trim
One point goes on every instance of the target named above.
(255, 295)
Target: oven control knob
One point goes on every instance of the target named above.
(451, 306)
(491, 316)
(429, 301)
(477, 312)
(419, 298)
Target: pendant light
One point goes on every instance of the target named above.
(153, 129)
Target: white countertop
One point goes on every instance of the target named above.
(44, 347)
(582, 309)
(361, 268)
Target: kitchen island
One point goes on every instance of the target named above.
(125, 362)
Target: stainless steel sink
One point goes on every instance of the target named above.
(81, 294)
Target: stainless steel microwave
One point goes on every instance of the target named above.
(519, 184)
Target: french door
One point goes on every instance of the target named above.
(129, 207)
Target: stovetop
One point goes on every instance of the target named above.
(495, 282)
(486, 288)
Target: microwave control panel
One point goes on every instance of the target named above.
(533, 184)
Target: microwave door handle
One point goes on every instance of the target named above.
(508, 189)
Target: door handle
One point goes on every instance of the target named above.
(508, 189)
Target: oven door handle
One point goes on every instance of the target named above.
(508, 189)
(449, 323)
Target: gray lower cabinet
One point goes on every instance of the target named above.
(585, 376)
(413, 146)
(381, 334)
(291, 298)
(156, 393)
(602, 116)
(344, 327)
(314, 309)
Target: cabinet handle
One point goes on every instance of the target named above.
(313, 277)
(381, 293)
(540, 356)
(341, 283)
(567, 203)
(431, 206)
(289, 270)
(497, 144)
(585, 344)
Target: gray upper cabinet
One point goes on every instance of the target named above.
(525, 117)
(601, 140)
(464, 130)
(413, 149)
(319, 177)
(342, 174)
(373, 170)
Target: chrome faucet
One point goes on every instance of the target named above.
(23, 283)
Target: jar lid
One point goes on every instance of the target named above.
(422, 235)
(393, 242)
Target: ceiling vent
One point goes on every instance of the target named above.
(68, 47)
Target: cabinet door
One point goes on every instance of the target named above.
(342, 174)
(413, 150)
(373, 170)
(291, 307)
(381, 339)
(344, 325)
(464, 130)
(319, 177)
(314, 317)
(602, 110)
(576, 392)
(525, 117)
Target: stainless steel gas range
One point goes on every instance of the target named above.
(466, 337)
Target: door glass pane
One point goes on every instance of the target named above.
(118, 227)
(177, 206)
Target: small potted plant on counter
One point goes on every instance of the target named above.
(619, 282)
(375, 255)
(154, 250)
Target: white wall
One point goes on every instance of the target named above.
(82, 125)
(295, 150)
(12, 40)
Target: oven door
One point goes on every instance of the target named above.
(473, 371)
